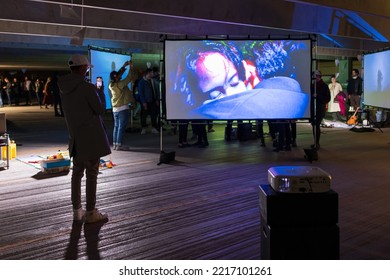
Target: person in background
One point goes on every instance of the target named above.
(16, 90)
(355, 89)
(100, 88)
(320, 97)
(137, 108)
(7, 87)
(99, 85)
(148, 95)
(183, 133)
(88, 141)
(38, 89)
(121, 98)
(334, 105)
(157, 85)
(260, 132)
(199, 127)
(27, 86)
(58, 111)
(47, 95)
(293, 128)
(210, 126)
(1, 92)
(283, 132)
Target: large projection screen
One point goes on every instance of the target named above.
(103, 63)
(237, 79)
(377, 79)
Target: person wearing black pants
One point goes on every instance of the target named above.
(284, 136)
(293, 128)
(200, 130)
(229, 129)
(183, 132)
(148, 94)
(272, 132)
(58, 112)
(321, 95)
(260, 132)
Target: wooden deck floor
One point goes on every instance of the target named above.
(204, 205)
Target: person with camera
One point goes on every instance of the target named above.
(88, 141)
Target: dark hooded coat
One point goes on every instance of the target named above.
(83, 109)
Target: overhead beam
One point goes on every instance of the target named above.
(379, 8)
(122, 21)
(191, 18)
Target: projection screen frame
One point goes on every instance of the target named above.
(308, 40)
(369, 77)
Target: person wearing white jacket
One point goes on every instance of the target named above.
(333, 105)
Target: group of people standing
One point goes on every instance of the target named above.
(146, 93)
(331, 98)
(46, 94)
(340, 101)
(13, 91)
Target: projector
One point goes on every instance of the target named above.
(299, 179)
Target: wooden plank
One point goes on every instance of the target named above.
(204, 205)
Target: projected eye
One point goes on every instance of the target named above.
(235, 84)
(234, 80)
(215, 94)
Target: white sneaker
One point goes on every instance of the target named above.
(95, 216)
(155, 131)
(143, 131)
(78, 214)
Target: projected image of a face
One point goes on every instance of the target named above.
(237, 79)
(217, 75)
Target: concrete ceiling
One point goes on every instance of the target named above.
(40, 33)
